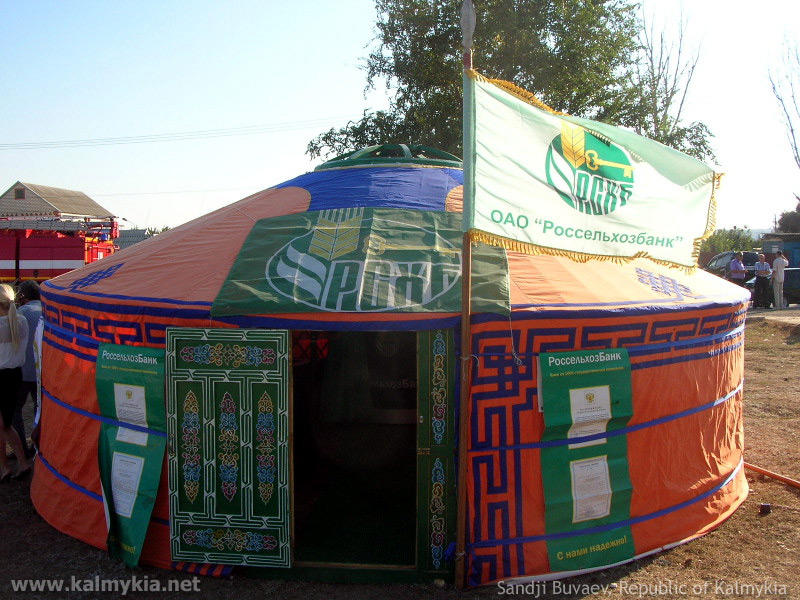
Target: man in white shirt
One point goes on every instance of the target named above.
(778, 265)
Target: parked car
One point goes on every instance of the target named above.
(791, 286)
(719, 264)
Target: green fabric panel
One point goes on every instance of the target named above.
(228, 418)
(490, 281)
(358, 260)
(436, 467)
(130, 389)
(676, 166)
(586, 484)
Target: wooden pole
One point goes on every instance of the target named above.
(773, 475)
(467, 29)
(464, 408)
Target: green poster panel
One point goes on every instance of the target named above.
(586, 483)
(130, 392)
(359, 260)
(436, 471)
(228, 425)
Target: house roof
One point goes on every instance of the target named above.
(129, 237)
(47, 200)
(786, 237)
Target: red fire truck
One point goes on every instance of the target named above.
(47, 231)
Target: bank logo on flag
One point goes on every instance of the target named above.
(592, 176)
(542, 182)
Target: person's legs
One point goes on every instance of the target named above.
(18, 423)
(777, 293)
(4, 470)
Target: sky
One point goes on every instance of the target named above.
(248, 84)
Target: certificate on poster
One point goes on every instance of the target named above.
(126, 473)
(590, 408)
(129, 401)
(591, 488)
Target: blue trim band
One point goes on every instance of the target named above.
(82, 489)
(128, 309)
(646, 348)
(613, 432)
(65, 334)
(56, 345)
(69, 482)
(610, 526)
(300, 324)
(96, 417)
(521, 315)
(122, 297)
(628, 303)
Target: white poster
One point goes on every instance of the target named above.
(126, 472)
(591, 411)
(591, 488)
(129, 401)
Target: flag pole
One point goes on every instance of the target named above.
(467, 28)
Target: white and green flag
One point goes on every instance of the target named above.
(541, 182)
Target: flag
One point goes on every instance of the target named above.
(541, 182)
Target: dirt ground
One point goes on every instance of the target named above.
(750, 556)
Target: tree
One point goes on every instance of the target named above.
(662, 77)
(789, 221)
(723, 240)
(580, 57)
(573, 54)
(786, 88)
(151, 231)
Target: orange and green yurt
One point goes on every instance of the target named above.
(311, 337)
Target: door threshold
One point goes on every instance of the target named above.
(336, 565)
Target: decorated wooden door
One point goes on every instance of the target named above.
(228, 425)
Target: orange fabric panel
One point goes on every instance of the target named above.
(156, 549)
(67, 509)
(199, 253)
(68, 439)
(454, 202)
(681, 360)
(546, 280)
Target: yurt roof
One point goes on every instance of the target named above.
(191, 263)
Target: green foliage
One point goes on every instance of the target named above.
(662, 75)
(572, 53)
(789, 221)
(723, 240)
(151, 231)
(582, 57)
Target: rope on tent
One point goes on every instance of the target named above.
(773, 475)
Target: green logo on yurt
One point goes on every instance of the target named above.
(591, 175)
(355, 262)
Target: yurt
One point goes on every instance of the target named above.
(312, 349)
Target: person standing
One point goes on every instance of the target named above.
(763, 271)
(13, 344)
(736, 270)
(778, 265)
(30, 307)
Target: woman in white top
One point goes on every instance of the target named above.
(13, 343)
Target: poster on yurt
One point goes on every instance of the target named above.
(585, 395)
(130, 393)
(542, 182)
